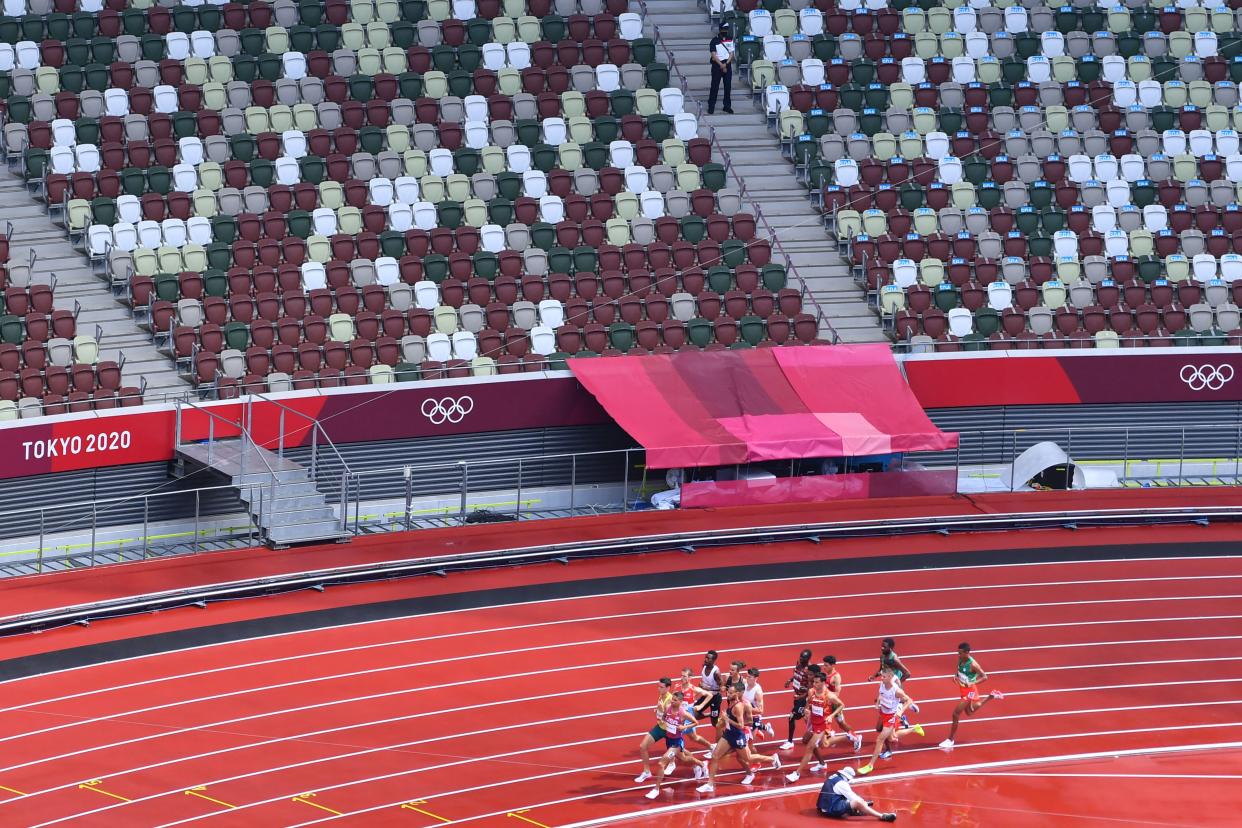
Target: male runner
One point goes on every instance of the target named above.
(892, 702)
(710, 679)
(735, 740)
(754, 697)
(833, 678)
(698, 699)
(737, 669)
(677, 717)
(663, 701)
(889, 660)
(800, 683)
(969, 676)
(824, 705)
(837, 799)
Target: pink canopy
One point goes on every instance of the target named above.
(708, 408)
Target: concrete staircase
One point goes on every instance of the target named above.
(766, 178)
(283, 502)
(77, 288)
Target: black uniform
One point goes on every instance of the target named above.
(719, 75)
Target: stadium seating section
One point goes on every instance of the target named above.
(303, 194)
(1013, 175)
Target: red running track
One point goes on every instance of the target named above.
(535, 709)
(1190, 788)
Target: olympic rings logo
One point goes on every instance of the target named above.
(447, 410)
(1206, 377)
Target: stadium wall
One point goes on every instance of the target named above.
(995, 390)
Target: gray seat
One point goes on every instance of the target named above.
(233, 363)
(683, 307)
(1200, 317)
(525, 314)
(413, 348)
(278, 381)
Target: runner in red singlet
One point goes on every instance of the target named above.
(832, 677)
(823, 705)
(700, 701)
(675, 720)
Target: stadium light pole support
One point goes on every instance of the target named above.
(625, 484)
(517, 514)
(1181, 458)
(1125, 456)
(409, 496)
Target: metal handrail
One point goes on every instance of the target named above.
(821, 319)
(540, 458)
(624, 544)
(246, 435)
(317, 430)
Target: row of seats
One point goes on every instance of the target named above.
(33, 353)
(73, 402)
(382, 96)
(35, 381)
(139, 19)
(1200, 42)
(270, 292)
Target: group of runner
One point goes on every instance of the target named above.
(733, 701)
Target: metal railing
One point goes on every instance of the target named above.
(418, 495)
(808, 296)
(317, 432)
(126, 529)
(510, 488)
(248, 445)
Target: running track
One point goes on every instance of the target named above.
(529, 713)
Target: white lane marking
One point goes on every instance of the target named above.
(590, 642)
(920, 571)
(700, 804)
(894, 777)
(680, 610)
(392, 693)
(474, 760)
(1038, 775)
(431, 713)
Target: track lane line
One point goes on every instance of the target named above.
(890, 777)
(356, 624)
(558, 622)
(771, 694)
(608, 640)
(406, 691)
(474, 759)
(701, 803)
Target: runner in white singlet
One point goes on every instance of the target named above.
(754, 697)
(892, 702)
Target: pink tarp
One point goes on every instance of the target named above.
(707, 408)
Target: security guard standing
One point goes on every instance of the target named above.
(722, 54)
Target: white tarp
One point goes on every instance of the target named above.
(1029, 465)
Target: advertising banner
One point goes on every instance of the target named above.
(1156, 375)
(123, 436)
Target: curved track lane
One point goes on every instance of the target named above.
(530, 713)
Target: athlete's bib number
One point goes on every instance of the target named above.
(817, 710)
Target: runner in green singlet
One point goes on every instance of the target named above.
(890, 661)
(968, 677)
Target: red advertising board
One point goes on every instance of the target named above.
(139, 435)
(124, 436)
(1041, 378)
